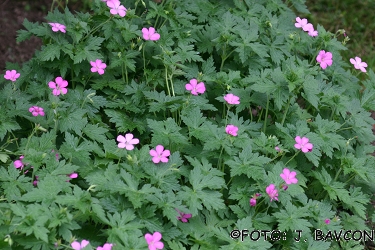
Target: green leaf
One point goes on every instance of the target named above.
(49, 52)
(73, 120)
(94, 132)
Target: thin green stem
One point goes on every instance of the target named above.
(266, 115)
(166, 80)
(286, 111)
(144, 61)
(292, 157)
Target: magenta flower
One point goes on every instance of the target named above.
(289, 177)
(272, 192)
(303, 144)
(159, 154)
(19, 163)
(253, 202)
(231, 130)
(98, 66)
(58, 27)
(153, 241)
(116, 8)
(59, 87)
(127, 142)
(78, 246)
(358, 64)
(11, 75)
(73, 175)
(150, 34)
(327, 221)
(324, 58)
(35, 182)
(232, 99)
(106, 246)
(195, 87)
(183, 217)
(35, 111)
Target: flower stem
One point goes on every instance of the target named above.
(266, 115)
(292, 157)
(286, 111)
(144, 61)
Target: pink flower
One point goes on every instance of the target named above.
(231, 130)
(153, 241)
(358, 64)
(73, 175)
(232, 99)
(58, 27)
(300, 23)
(19, 163)
(59, 87)
(183, 217)
(35, 182)
(327, 221)
(78, 246)
(11, 75)
(277, 149)
(106, 246)
(116, 8)
(127, 142)
(253, 202)
(289, 177)
(98, 66)
(308, 27)
(303, 144)
(324, 58)
(35, 111)
(272, 192)
(150, 34)
(160, 154)
(195, 87)
(313, 32)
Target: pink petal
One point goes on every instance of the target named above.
(121, 138)
(153, 153)
(157, 236)
(159, 149)
(189, 87)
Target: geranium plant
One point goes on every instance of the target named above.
(185, 125)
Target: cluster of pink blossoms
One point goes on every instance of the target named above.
(158, 154)
(288, 176)
(308, 27)
(35, 111)
(81, 245)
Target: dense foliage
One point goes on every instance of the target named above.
(231, 118)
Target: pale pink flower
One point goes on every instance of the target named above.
(183, 217)
(289, 177)
(300, 23)
(159, 154)
(153, 241)
(78, 246)
(98, 66)
(272, 192)
(277, 149)
(116, 8)
(106, 246)
(59, 87)
(324, 58)
(35, 111)
(231, 130)
(58, 27)
(11, 75)
(127, 142)
(308, 27)
(195, 87)
(313, 33)
(358, 64)
(19, 163)
(327, 221)
(232, 99)
(303, 144)
(253, 202)
(150, 34)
